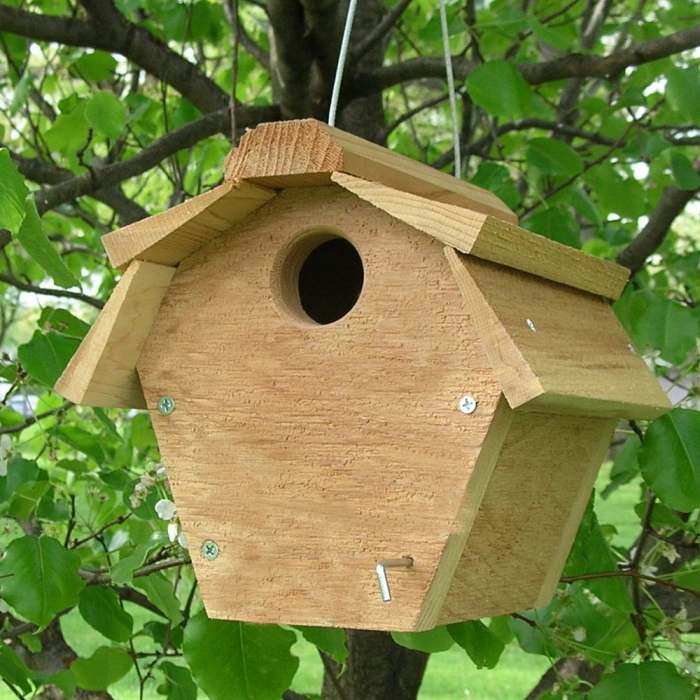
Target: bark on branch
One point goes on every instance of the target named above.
(574, 65)
(107, 176)
(109, 30)
(671, 204)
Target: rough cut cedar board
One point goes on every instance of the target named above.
(103, 370)
(578, 359)
(170, 236)
(529, 517)
(492, 239)
(310, 452)
(310, 151)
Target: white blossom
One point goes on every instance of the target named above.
(165, 509)
(580, 634)
(182, 540)
(161, 472)
(173, 531)
(5, 449)
(669, 552)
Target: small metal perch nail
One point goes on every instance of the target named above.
(382, 566)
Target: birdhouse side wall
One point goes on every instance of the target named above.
(529, 516)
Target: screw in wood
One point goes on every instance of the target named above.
(210, 550)
(166, 405)
(467, 404)
(383, 579)
(531, 325)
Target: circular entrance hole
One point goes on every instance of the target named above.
(321, 277)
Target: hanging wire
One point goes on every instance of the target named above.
(451, 89)
(342, 56)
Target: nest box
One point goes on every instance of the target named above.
(381, 403)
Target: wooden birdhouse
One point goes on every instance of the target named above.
(381, 403)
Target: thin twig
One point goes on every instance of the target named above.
(630, 574)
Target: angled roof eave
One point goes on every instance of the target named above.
(169, 237)
(489, 238)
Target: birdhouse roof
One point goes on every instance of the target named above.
(306, 153)
(550, 334)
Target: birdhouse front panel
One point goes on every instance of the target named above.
(316, 355)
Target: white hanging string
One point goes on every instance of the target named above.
(451, 88)
(342, 56)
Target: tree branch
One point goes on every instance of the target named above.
(109, 30)
(380, 31)
(574, 65)
(50, 291)
(42, 172)
(671, 204)
(106, 176)
(30, 420)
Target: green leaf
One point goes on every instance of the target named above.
(670, 459)
(616, 194)
(33, 239)
(105, 667)
(100, 608)
(330, 640)
(683, 91)
(19, 471)
(683, 172)
(558, 39)
(496, 178)
(596, 629)
(96, 66)
(46, 355)
(625, 466)
(40, 578)
(238, 660)
(13, 193)
(500, 89)
(591, 554)
(556, 223)
(651, 680)
(481, 644)
(432, 641)
(178, 682)
(69, 132)
(19, 99)
(553, 157)
(106, 113)
(26, 499)
(12, 668)
(123, 570)
(160, 592)
(63, 322)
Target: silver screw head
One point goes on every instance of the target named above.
(166, 405)
(467, 404)
(531, 325)
(210, 550)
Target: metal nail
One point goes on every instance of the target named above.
(383, 579)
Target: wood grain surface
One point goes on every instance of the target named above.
(492, 239)
(556, 349)
(103, 370)
(304, 152)
(172, 235)
(528, 518)
(311, 452)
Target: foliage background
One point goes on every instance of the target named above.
(582, 115)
